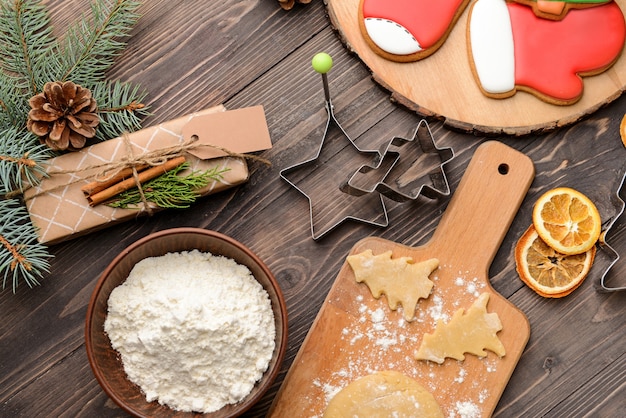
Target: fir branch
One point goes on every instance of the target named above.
(91, 44)
(30, 56)
(169, 190)
(21, 255)
(25, 42)
(21, 159)
(120, 108)
(13, 104)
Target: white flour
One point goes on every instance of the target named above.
(195, 331)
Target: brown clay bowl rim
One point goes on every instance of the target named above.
(281, 339)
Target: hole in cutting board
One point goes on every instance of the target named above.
(503, 169)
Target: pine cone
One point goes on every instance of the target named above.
(63, 115)
(288, 4)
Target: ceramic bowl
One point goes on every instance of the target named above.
(105, 361)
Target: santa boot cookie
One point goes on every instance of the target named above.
(513, 49)
(408, 30)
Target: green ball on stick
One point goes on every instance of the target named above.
(322, 62)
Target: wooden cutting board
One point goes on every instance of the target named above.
(442, 85)
(355, 334)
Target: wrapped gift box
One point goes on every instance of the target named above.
(59, 209)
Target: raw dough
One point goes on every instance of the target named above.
(382, 395)
(470, 332)
(401, 279)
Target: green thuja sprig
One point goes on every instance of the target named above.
(170, 190)
(21, 256)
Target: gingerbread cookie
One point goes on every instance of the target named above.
(556, 10)
(408, 30)
(512, 49)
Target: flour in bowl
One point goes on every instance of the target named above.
(195, 331)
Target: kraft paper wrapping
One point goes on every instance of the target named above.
(59, 210)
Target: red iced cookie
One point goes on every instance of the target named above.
(408, 30)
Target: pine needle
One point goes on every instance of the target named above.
(169, 190)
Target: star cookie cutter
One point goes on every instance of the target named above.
(368, 209)
(607, 253)
(405, 169)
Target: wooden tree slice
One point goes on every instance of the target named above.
(442, 85)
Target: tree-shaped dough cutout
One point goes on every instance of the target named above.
(401, 279)
(471, 332)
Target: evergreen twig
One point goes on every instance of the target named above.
(25, 43)
(169, 190)
(120, 107)
(92, 43)
(20, 161)
(21, 256)
(30, 56)
(13, 106)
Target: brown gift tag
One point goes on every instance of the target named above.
(59, 210)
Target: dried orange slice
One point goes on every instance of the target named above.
(567, 220)
(548, 272)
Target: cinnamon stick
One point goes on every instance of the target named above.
(97, 186)
(149, 174)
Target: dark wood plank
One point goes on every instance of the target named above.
(190, 56)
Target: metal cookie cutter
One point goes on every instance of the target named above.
(607, 253)
(405, 169)
(334, 206)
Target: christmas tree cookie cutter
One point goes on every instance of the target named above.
(335, 206)
(405, 169)
(609, 254)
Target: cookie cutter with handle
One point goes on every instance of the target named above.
(369, 209)
(420, 168)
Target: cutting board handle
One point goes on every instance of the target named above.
(482, 208)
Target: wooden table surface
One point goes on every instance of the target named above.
(192, 55)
